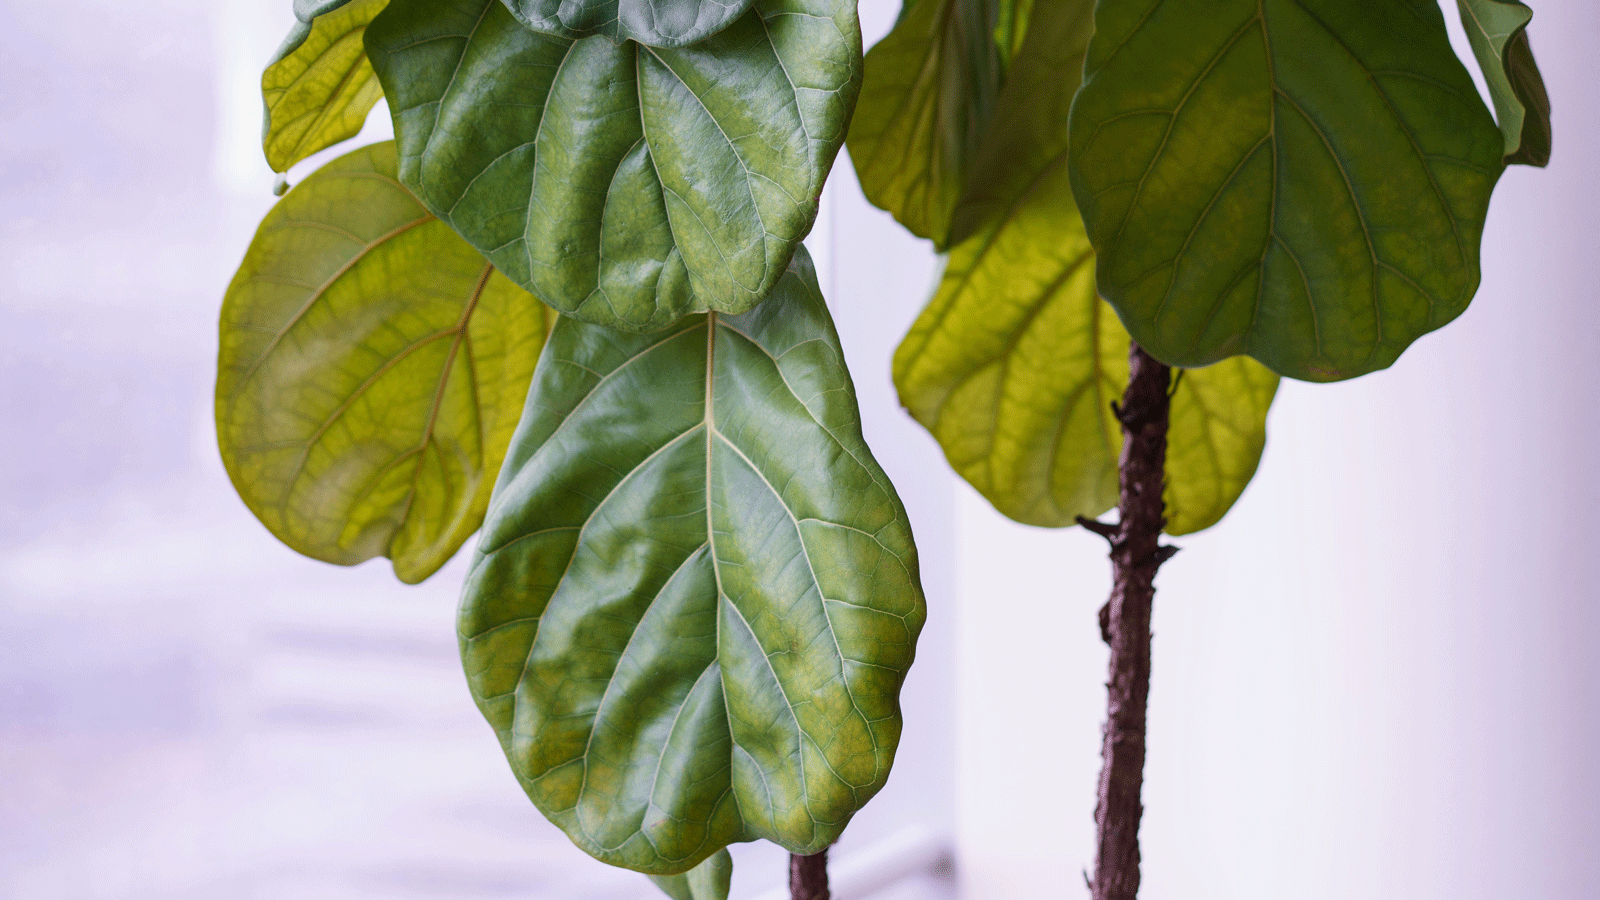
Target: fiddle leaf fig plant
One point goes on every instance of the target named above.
(576, 277)
(1246, 190)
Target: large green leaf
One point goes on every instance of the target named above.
(1497, 30)
(1304, 181)
(319, 87)
(1014, 364)
(626, 185)
(658, 23)
(711, 880)
(696, 594)
(371, 372)
(926, 97)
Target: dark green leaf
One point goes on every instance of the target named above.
(626, 185)
(1498, 32)
(659, 23)
(319, 87)
(371, 372)
(927, 94)
(1014, 364)
(710, 880)
(696, 594)
(1304, 181)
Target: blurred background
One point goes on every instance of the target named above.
(1378, 677)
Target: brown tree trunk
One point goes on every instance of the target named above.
(808, 877)
(1136, 554)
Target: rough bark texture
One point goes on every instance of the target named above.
(808, 877)
(1136, 554)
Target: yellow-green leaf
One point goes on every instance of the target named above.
(928, 90)
(371, 372)
(319, 87)
(1015, 363)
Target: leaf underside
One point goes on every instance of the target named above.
(1498, 32)
(623, 184)
(371, 370)
(1015, 362)
(711, 880)
(696, 594)
(1013, 369)
(657, 23)
(927, 95)
(319, 87)
(1303, 181)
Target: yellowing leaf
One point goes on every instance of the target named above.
(371, 372)
(319, 87)
(926, 97)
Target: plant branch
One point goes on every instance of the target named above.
(808, 876)
(1136, 554)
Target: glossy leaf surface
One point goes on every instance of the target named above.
(625, 185)
(319, 87)
(1497, 30)
(927, 95)
(1304, 181)
(711, 880)
(372, 370)
(696, 594)
(1015, 362)
(658, 23)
